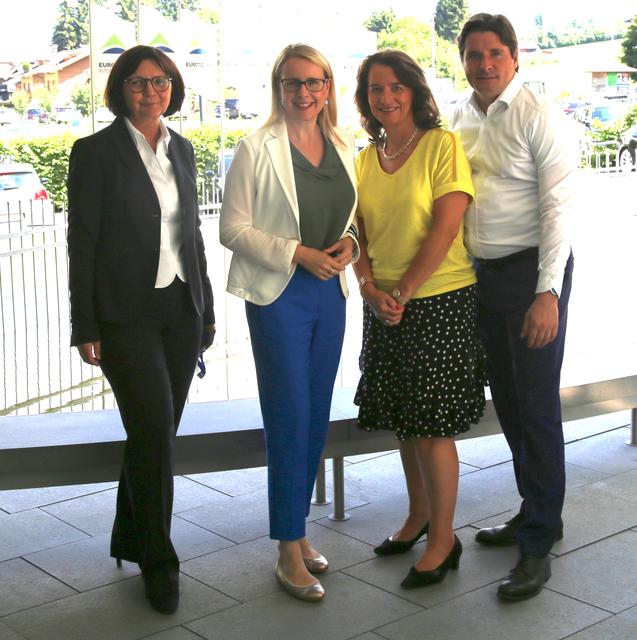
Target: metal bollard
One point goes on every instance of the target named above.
(319, 493)
(339, 491)
(633, 428)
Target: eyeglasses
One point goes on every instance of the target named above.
(138, 84)
(291, 85)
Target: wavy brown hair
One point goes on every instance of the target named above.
(424, 108)
(126, 65)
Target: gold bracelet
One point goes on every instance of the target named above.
(363, 280)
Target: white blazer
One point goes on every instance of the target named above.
(260, 215)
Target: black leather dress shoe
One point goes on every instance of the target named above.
(417, 578)
(507, 534)
(161, 582)
(389, 547)
(526, 579)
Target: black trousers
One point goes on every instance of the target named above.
(525, 387)
(150, 365)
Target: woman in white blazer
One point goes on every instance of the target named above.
(288, 217)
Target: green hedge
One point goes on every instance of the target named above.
(50, 156)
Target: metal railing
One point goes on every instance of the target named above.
(601, 157)
(39, 372)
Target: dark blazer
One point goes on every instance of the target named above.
(114, 231)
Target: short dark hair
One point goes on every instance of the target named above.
(424, 108)
(499, 24)
(126, 65)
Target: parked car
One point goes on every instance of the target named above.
(67, 115)
(231, 108)
(8, 116)
(218, 178)
(627, 149)
(605, 113)
(104, 115)
(38, 113)
(22, 192)
(571, 106)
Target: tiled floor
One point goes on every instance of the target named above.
(58, 583)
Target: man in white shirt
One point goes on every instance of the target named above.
(523, 164)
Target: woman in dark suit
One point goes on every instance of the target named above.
(141, 301)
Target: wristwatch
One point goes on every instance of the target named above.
(396, 295)
(554, 292)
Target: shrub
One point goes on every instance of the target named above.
(206, 140)
(50, 156)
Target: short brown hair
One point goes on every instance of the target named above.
(424, 108)
(126, 65)
(497, 23)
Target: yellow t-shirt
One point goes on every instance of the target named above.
(397, 210)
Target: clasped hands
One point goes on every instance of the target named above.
(386, 308)
(327, 263)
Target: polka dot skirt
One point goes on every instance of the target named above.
(424, 377)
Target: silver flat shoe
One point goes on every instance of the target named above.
(310, 593)
(316, 565)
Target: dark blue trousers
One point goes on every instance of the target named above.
(525, 386)
(296, 342)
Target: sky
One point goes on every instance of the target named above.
(28, 24)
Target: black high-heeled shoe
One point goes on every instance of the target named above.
(161, 582)
(389, 547)
(417, 578)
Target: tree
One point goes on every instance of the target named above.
(629, 46)
(127, 10)
(44, 98)
(381, 21)
(414, 38)
(449, 18)
(71, 28)
(20, 101)
(209, 16)
(81, 98)
(65, 32)
(170, 8)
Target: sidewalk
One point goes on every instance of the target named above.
(57, 581)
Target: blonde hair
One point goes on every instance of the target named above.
(327, 119)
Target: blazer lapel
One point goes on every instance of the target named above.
(131, 159)
(279, 149)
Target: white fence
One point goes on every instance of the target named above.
(40, 373)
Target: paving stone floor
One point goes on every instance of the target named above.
(58, 583)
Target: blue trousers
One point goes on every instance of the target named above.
(296, 342)
(525, 387)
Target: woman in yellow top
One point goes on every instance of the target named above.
(422, 370)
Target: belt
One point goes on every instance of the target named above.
(518, 256)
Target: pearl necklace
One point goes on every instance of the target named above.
(393, 156)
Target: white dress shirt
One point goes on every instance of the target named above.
(523, 158)
(162, 176)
